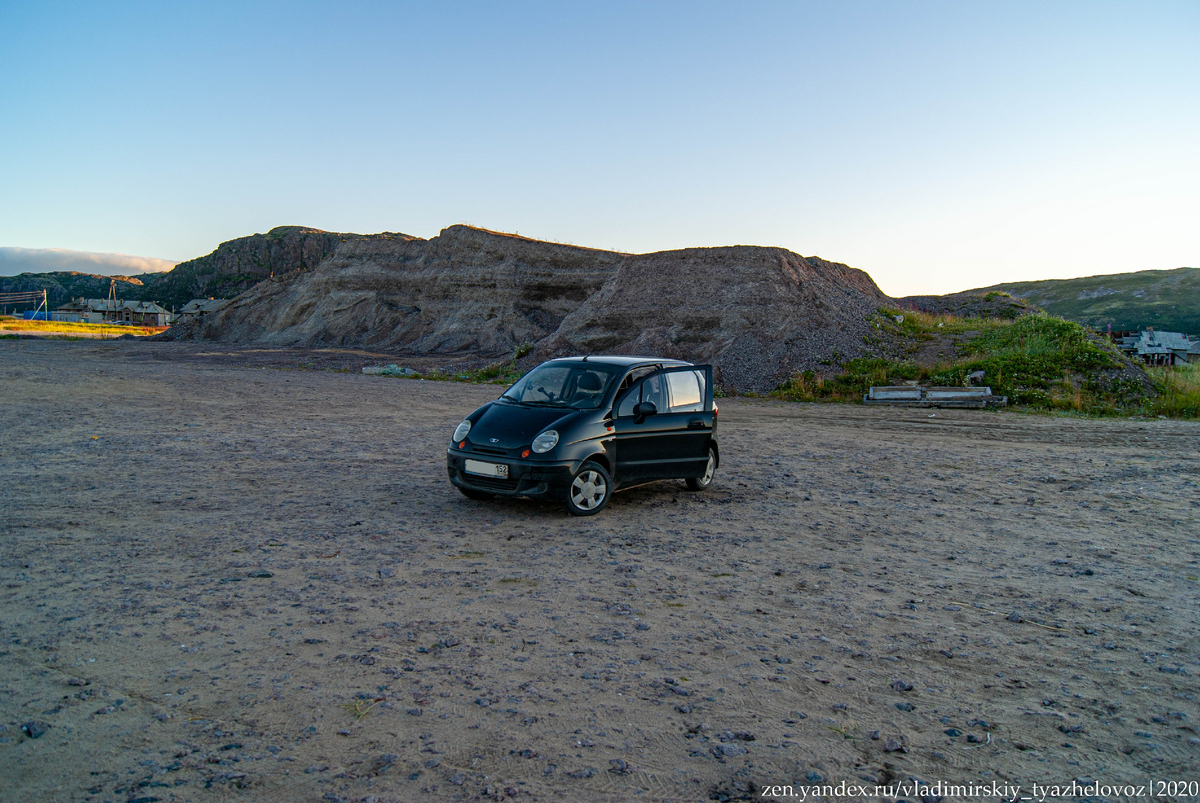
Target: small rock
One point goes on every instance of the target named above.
(77, 682)
(458, 779)
(905, 706)
(260, 573)
(900, 685)
(1015, 617)
(729, 750)
(35, 728)
(953, 732)
(893, 745)
(620, 767)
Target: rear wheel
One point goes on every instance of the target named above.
(700, 483)
(470, 493)
(589, 490)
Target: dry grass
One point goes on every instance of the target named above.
(77, 329)
(1179, 391)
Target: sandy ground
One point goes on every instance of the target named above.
(224, 577)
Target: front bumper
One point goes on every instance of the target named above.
(525, 477)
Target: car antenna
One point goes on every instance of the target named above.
(585, 358)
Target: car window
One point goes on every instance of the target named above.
(687, 391)
(563, 385)
(625, 410)
(654, 389)
(635, 375)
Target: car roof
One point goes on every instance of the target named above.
(626, 362)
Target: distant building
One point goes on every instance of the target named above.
(197, 308)
(143, 313)
(102, 310)
(1160, 348)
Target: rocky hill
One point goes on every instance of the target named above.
(238, 265)
(758, 314)
(1168, 300)
(62, 286)
(234, 267)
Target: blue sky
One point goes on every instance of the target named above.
(937, 145)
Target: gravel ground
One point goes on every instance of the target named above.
(225, 578)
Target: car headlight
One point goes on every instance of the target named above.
(461, 430)
(546, 441)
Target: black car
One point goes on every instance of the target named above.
(578, 428)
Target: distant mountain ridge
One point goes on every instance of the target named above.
(62, 286)
(1168, 300)
(234, 267)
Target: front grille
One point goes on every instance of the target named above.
(490, 483)
(489, 450)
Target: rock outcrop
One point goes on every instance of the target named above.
(758, 314)
(238, 265)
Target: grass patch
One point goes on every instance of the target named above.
(68, 328)
(1179, 391)
(1038, 361)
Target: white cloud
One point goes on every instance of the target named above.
(46, 260)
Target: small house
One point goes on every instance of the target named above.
(197, 308)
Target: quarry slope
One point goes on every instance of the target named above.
(758, 314)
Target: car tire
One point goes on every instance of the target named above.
(700, 483)
(589, 491)
(471, 493)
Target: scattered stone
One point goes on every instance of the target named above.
(900, 685)
(620, 767)
(261, 573)
(1015, 617)
(953, 732)
(893, 745)
(35, 728)
(729, 750)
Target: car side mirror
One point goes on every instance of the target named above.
(643, 409)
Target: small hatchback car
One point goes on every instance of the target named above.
(576, 429)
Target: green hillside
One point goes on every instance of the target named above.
(1168, 300)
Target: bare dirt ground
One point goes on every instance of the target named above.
(224, 578)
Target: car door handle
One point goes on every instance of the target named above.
(697, 423)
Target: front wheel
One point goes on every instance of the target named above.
(589, 490)
(700, 483)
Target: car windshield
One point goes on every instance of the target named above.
(579, 385)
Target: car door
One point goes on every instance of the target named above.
(674, 441)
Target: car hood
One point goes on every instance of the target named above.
(513, 426)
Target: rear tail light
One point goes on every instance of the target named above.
(716, 410)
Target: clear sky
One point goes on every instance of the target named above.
(937, 145)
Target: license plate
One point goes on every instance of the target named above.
(487, 469)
